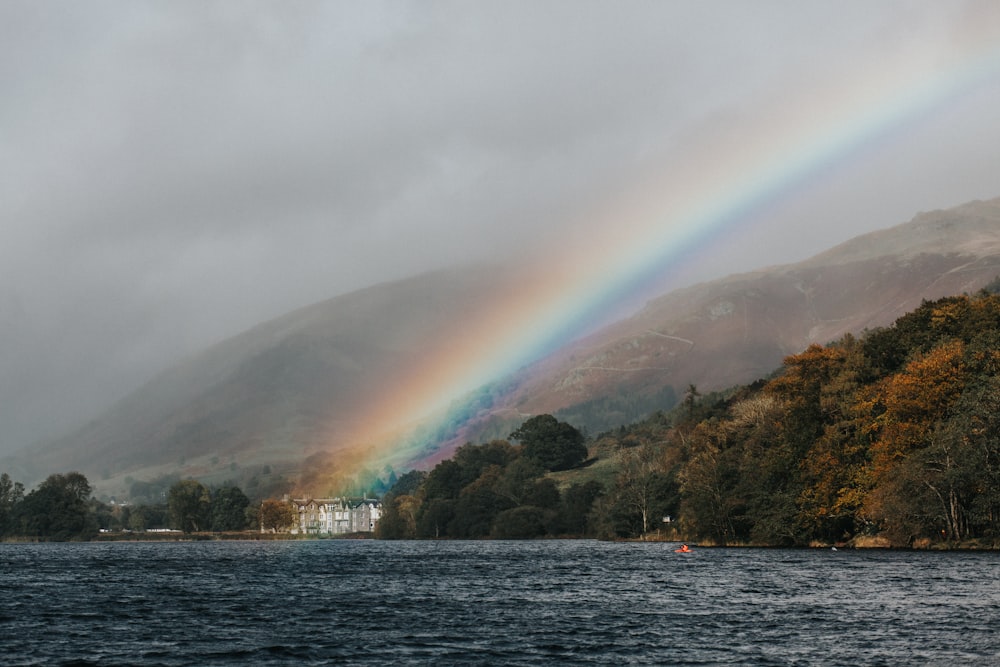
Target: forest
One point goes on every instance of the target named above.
(890, 438)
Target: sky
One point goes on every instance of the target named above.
(173, 173)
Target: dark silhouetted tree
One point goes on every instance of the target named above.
(229, 505)
(519, 523)
(189, 506)
(58, 509)
(556, 445)
(11, 494)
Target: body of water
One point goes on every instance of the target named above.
(341, 602)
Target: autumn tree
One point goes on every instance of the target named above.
(951, 479)
(710, 508)
(906, 408)
(834, 470)
(780, 437)
(277, 515)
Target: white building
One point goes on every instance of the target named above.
(336, 516)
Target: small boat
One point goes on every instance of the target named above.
(684, 549)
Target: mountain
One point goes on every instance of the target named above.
(290, 388)
(274, 395)
(738, 329)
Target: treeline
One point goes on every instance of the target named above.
(498, 490)
(62, 508)
(543, 485)
(892, 437)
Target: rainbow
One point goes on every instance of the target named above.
(632, 243)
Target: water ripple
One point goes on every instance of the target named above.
(484, 603)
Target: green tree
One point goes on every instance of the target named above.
(772, 481)
(556, 445)
(409, 483)
(189, 505)
(58, 509)
(473, 460)
(577, 502)
(518, 479)
(544, 494)
(519, 523)
(434, 517)
(444, 481)
(478, 505)
(11, 493)
(228, 510)
(137, 519)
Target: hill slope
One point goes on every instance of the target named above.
(276, 393)
(291, 387)
(739, 328)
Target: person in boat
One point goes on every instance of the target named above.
(684, 548)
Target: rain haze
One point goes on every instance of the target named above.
(172, 173)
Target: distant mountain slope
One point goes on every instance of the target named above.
(276, 393)
(289, 388)
(739, 328)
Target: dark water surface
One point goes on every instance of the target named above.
(344, 602)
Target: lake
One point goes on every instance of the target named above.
(342, 602)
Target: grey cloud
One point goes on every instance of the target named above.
(175, 172)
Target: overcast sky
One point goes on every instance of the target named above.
(172, 173)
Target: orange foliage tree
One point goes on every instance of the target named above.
(906, 412)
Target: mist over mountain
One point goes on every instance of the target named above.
(276, 393)
(291, 388)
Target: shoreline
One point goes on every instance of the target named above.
(865, 544)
